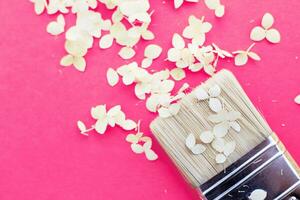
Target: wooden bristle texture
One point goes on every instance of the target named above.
(192, 118)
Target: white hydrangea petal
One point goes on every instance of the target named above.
(220, 130)
(112, 77)
(177, 41)
(174, 109)
(66, 61)
(233, 115)
(258, 194)
(195, 67)
(106, 41)
(215, 104)
(81, 126)
(297, 99)
(98, 112)
(267, 21)
(148, 35)
(220, 11)
(164, 112)
(254, 56)
(178, 3)
(152, 103)
(218, 144)
(212, 4)
(241, 59)
(198, 149)
(126, 53)
(79, 63)
(273, 35)
(128, 125)
(190, 141)
(214, 91)
(151, 155)
(229, 148)
(132, 138)
(220, 158)
(75, 48)
(39, 6)
(209, 69)
(148, 142)
(207, 137)
(177, 74)
(199, 40)
(257, 33)
(146, 62)
(235, 126)
(167, 86)
(188, 32)
(152, 51)
(101, 126)
(174, 54)
(137, 148)
(201, 94)
(217, 118)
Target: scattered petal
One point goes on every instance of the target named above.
(258, 194)
(207, 137)
(112, 77)
(220, 158)
(190, 141)
(147, 62)
(128, 125)
(297, 99)
(215, 104)
(151, 155)
(126, 53)
(106, 41)
(273, 36)
(177, 74)
(137, 148)
(229, 148)
(240, 59)
(152, 51)
(267, 21)
(258, 33)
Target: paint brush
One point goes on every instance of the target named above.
(224, 147)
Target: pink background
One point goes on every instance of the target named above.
(42, 154)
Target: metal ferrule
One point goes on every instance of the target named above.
(268, 167)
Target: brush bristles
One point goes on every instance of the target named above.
(192, 118)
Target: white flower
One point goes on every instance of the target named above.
(190, 143)
(241, 57)
(259, 33)
(224, 121)
(115, 116)
(179, 54)
(214, 103)
(196, 30)
(136, 147)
